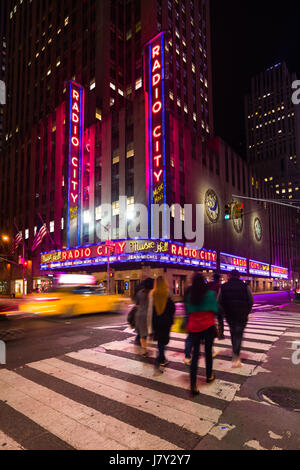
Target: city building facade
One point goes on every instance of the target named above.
(272, 129)
(2, 67)
(113, 99)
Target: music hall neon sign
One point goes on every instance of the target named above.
(76, 113)
(155, 119)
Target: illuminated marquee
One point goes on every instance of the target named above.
(130, 250)
(231, 262)
(259, 269)
(156, 119)
(278, 272)
(76, 118)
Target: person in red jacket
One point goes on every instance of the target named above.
(201, 308)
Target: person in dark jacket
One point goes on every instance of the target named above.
(236, 299)
(162, 319)
(201, 307)
(215, 285)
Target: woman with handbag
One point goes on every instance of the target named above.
(162, 319)
(201, 308)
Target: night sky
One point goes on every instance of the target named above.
(248, 36)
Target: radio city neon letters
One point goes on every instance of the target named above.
(156, 120)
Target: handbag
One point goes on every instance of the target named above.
(131, 316)
(179, 325)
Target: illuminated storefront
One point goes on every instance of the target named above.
(129, 258)
(231, 262)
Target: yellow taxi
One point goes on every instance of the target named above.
(74, 300)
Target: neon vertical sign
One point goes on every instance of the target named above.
(156, 120)
(76, 118)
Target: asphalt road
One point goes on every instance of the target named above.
(30, 339)
(81, 383)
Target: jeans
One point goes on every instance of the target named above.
(208, 337)
(161, 354)
(188, 346)
(236, 332)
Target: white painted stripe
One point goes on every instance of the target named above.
(253, 356)
(260, 330)
(274, 321)
(82, 427)
(7, 443)
(175, 410)
(260, 337)
(219, 388)
(290, 333)
(276, 315)
(277, 318)
(218, 364)
(286, 325)
(246, 344)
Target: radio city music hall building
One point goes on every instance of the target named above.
(109, 99)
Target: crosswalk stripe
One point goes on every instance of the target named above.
(260, 330)
(277, 318)
(274, 319)
(277, 323)
(7, 443)
(218, 364)
(221, 389)
(220, 350)
(184, 413)
(260, 337)
(81, 426)
(293, 334)
(246, 344)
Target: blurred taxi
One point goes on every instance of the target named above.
(74, 300)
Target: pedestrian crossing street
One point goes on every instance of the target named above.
(109, 398)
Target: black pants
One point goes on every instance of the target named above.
(161, 354)
(236, 332)
(208, 336)
(221, 323)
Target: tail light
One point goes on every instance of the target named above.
(47, 299)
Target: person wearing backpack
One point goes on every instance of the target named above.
(201, 308)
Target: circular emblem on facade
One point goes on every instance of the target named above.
(258, 229)
(238, 225)
(212, 205)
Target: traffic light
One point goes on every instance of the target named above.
(238, 211)
(227, 211)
